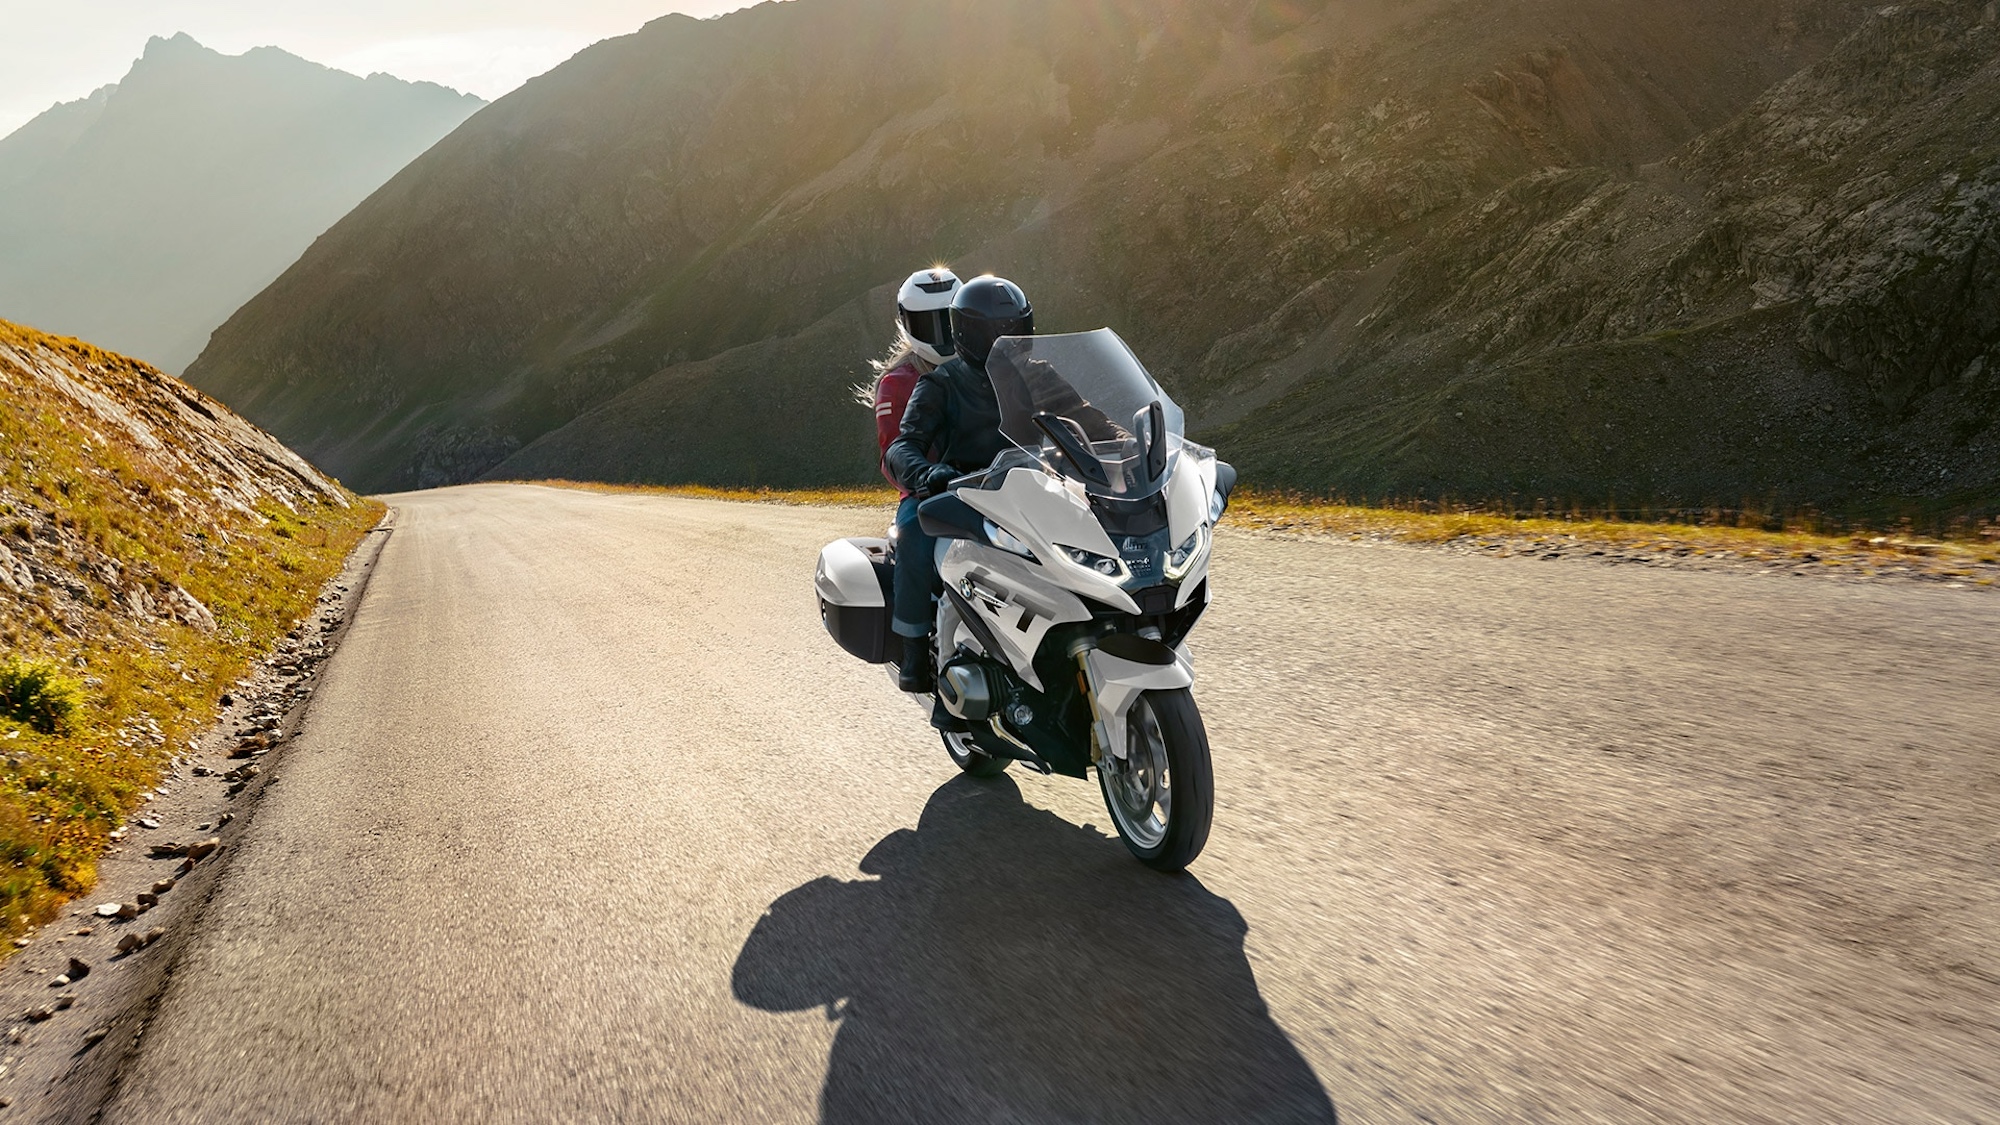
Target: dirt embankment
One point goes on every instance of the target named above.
(153, 546)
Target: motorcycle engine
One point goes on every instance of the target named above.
(971, 689)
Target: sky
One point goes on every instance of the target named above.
(61, 50)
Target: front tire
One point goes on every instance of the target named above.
(968, 757)
(1161, 795)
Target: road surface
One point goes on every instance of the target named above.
(591, 823)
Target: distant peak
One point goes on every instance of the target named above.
(183, 50)
(181, 43)
(671, 18)
(280, 53)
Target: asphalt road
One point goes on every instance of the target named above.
(591, 823)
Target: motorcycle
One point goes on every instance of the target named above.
(1073, 568)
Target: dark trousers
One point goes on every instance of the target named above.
(916, 574)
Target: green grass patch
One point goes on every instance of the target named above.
(37, 694)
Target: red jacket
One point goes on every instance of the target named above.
(892, 396)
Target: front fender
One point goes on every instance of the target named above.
(1120, 667)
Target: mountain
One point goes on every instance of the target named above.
(1597, 249)
(143, 215)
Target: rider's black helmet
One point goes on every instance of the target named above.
(986, 309)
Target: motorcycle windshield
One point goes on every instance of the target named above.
(1085, 405)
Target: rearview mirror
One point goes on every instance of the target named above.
(1155, 425)
(1225, 483)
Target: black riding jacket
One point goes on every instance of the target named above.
(952, 411)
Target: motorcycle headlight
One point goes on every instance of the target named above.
(1181, 559)
(1006, 540)
(1109, 567)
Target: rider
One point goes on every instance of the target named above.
(951, 427)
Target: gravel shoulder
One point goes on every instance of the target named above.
(589, 822)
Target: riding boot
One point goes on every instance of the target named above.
(913, 672)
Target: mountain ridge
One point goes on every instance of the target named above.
(47, 134)
(1270, 200)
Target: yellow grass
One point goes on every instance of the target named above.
(1291, 515)
(1323, 517)
(1860, 550)
(869, 497)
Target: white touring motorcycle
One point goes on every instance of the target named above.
(1073, 569)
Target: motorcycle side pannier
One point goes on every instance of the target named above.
(854, 583)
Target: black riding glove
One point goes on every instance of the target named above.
(938, 479)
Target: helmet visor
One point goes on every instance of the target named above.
(933, 328)
(975, 334)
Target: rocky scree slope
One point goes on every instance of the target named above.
(666, 260)
(142, 216)
(152, 546)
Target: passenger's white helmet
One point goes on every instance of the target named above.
(923, 308)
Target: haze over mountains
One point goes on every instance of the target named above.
(1605, 249)
(142, 216)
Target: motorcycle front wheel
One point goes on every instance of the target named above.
(1161, 794)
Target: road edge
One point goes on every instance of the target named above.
(81, 1088)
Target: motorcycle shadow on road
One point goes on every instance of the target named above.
(1006, 965)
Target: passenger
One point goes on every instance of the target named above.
(923, 340)
(951, 427)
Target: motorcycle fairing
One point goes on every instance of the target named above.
(1190, 490)
(1016, 607)
(1048, 515)
(1039, 510)
(1117, 679)
(1058, 709)
(1118, 668)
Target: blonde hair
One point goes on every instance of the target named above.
(899, 354)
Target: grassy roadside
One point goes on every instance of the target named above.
(874, 496)
(136, 593)
(1974, 558)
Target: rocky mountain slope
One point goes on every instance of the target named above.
(152, 545)
(1471, 247)
(1800, 308)
(143, 215)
